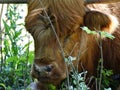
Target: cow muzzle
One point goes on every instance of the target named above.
(48, 73)
(42, 71)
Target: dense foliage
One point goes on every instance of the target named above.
(16, 57)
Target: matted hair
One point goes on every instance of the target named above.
(68, 12)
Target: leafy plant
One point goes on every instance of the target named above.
(75, 80)
(17, 57)
(104, 77)
(102, 33)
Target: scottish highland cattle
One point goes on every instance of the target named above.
(56, 28)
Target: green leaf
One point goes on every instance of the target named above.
(66, 59)
(52, 87)
(17, 34)
(109, 72)
(102, 33)
(71, 58)
(31, 57)
(88, 31)
(3, 85)
(106, 34)
(27, 45)
(12, 59)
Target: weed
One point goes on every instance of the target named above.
(17, 57)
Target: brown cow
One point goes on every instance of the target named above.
(54, 43)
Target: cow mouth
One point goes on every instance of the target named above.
(44, 79)
(47, 79)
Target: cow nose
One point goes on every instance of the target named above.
(43, 69)
(49, 68)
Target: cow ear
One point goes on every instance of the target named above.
(95, 20)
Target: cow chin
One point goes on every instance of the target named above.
(47, 74)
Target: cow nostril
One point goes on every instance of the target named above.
(49, 68)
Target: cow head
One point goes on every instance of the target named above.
(55, 27)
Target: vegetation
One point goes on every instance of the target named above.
(16, 57)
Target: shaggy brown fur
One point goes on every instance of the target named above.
(111, 47)
(68, 16)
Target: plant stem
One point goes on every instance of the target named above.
(101, 64)
(62, 51)
(1, 39)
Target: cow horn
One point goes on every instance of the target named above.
(100, 1)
